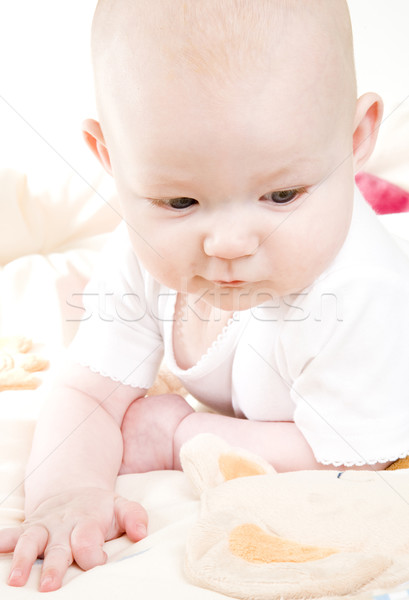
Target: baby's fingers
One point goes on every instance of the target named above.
(87, 540)
(131, 518)
(57, 559)
(29, 546)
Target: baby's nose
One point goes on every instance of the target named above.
(230, 242)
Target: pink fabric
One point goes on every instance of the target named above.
(384, 197)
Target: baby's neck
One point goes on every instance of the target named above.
(202, 310)
(197, 325)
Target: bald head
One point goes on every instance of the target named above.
(217, 44)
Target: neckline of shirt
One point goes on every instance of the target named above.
(209, 359)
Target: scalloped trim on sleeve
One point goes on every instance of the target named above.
(361, 463)
(143, 386)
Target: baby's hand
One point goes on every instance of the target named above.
(70, 526)
(148, 429)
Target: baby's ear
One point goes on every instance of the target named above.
(94, 138)
(209, 461)
(368, 118)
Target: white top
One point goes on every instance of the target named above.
(334, 359)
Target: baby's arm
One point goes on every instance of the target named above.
(280, 443)
(71, 508)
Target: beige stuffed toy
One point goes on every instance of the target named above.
(306, 534)
(17, 364)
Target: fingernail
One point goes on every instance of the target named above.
(15, 574)
(46, 581)
(141, 531)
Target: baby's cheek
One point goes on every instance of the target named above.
(333, 238)
(324, 243)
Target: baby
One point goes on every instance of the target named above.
(246, 257)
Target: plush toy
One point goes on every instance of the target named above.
(306, 534)
(17, 364)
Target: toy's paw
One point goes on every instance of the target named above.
(209, 461)
(17, 365)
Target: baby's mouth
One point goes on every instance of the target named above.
(234, 283)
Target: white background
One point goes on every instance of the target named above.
(46, 86)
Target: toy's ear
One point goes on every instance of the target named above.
(209, 461)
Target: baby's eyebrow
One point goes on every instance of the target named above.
(290, 174)
(159, 184)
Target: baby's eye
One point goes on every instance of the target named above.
(283, 197)
(181, 203)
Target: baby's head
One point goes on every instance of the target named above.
(233, 131)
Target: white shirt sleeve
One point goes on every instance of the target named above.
(346, 357)
(118, 335)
